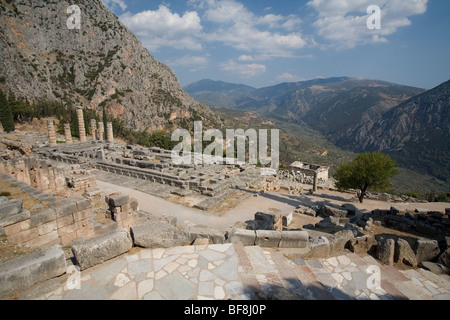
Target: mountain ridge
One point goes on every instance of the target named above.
(102, 64)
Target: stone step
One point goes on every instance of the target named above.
(258, 260)
(429, 284)
(288, 276)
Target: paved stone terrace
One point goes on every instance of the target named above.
(232, 271)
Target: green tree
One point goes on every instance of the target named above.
(6, 115)
(368, 171)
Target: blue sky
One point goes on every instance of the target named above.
(262, 43)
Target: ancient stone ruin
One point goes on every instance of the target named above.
(71, 214)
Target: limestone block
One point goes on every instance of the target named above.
(294, 239)
(16, 218)
(26, 271)
(117, 200)
(157, 234)
(10, 207)
(362, 244)
(247, 237)
(445, 258)
(426, 250)
(327, 211)
(287, 219)
(43, 216)
(341, 240)
(102, 248)
(65, 208)
(214, 236)
(404, 253)
(386, 250)
(268, 238)
(320, 247)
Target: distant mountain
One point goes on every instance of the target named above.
(239, 96)
(416, 133)
(218, 93)
(102, 64)
(333, 105)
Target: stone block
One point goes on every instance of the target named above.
(48, 238)
(287, 219)
(24, 236)
(68, 238)
(246, 237)
(362, 244)
(15, 218)
(24, 272)
(310, 212)
(47, 228)
(436, 268)
(64, 221)
(386, 251)
(264, 221)
(341, 240)
(328, 211)
(43, 216)
(13, 229)
(81, 215)
(102, 248)
(320, 247)
(445, 258)
(268, 238)
(214, 236)
(116, 200)
(158, 234)
(70, 228)
(426, 250)
(83, 204)
(66, 208)
(10, 208)
(404, 253)
(294, 239)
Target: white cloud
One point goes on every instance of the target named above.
(237, 27)
(245, 58)
(287, 77)
(244, 70)
(344, 22)
(198, 62)
(113, 4)
(158, 28)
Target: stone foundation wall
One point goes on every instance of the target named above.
(60, 223)
(36, 173)
(50, 178)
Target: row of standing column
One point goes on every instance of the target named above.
(97, 130)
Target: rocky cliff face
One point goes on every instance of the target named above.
(100, 64)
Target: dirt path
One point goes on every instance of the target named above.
(269, 202)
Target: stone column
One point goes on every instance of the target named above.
(315, 183)
(67, 133)
(94, 129)
(101, 131)
(51, 132)
(81, 127)
(109, 132)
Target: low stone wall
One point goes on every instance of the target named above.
(36, 173)
(61, 222)
(270, 238)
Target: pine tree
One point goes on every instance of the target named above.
(6, 115)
